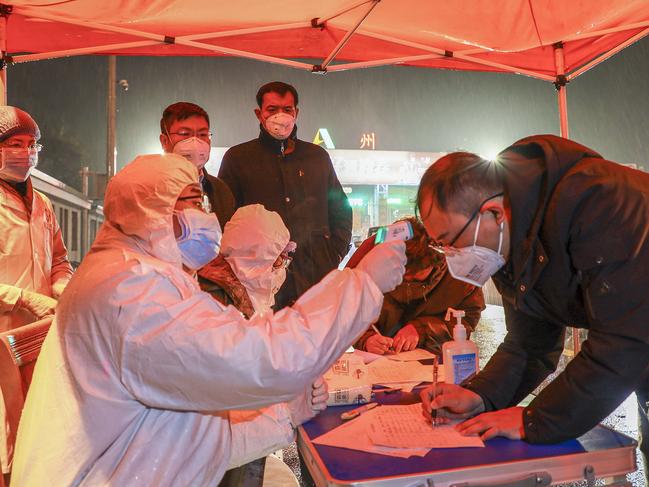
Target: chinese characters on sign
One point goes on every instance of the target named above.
(368, 140)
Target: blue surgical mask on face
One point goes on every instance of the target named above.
(200, 237)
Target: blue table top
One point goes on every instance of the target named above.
(351, 465)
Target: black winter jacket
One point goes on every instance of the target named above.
(579, 257)
(220, 197)
(297, 180)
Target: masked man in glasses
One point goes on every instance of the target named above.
(185, 130)
(34, 266)
(563, 233)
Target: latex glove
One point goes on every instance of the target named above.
(378, 344)
(406, 339)
(308, 404)
(58, 287)
(385, 264)
(506, 422)
(37, 304)
(451, 402)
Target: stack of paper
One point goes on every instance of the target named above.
(397, 431)
(403, 374)
(416, 354)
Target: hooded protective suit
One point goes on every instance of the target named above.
(32, 253)
(136, 377)
(252, 241)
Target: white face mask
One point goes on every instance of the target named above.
(280, 125)
(475, 264)
(16, 164)
(195, 150)
(200, 237)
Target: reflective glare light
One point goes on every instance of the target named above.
(394, 201)
(491, 154)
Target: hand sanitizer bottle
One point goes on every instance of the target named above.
(460, 355)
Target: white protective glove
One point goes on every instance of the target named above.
(58, 287)
(308, 404)
(385, 264)
(37, 304)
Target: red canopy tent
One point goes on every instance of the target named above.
(552, 40)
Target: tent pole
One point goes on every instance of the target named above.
(382, 62)
(346, 38)
(608, 54)
(614, 30)
(111, 107)
(26, 58)
(560, 85)
(30, 12)
(239, 32)
(3, 61)
(457, 54)
(341, 12)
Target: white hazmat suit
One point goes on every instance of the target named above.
(140, 367)
(252, 240)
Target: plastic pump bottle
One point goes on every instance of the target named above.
(460, 355)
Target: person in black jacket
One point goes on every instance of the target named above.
(297, 180)
(185, 130)
(564, 233)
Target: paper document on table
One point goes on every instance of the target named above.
(367, 356)
(405, 427)
(384, 371)
(353, 436)
(416, 354)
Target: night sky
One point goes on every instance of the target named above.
(408, 108)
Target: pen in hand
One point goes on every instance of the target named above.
(433, 412)
(376, 330)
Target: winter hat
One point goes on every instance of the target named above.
(14, 121)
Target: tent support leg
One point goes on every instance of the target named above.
(3, 61)
(560, 84)
(111, 108)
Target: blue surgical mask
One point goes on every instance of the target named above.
(200, 239)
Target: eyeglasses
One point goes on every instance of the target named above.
(186, 134)
(443, 248)
(17, 145)
(284, 260)
(203, 204)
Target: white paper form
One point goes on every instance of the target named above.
(353, 436)
(405, 427)
(367, 356)
(416, 354)
(384, 371)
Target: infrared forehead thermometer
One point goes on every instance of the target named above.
(397, 231)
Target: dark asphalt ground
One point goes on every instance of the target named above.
(488, 336)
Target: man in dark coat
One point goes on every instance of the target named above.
(565, 234)
(297, 180)
(185, 130)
